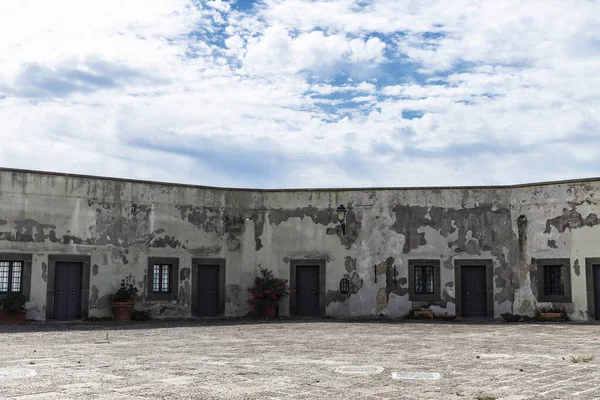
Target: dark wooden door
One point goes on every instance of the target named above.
(307, 290)
(67, 290)
(208, 291)
(474, 291)
(597, 290)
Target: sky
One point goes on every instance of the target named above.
(303, 94)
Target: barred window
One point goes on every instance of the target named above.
(554, 283)
(161, 278)
(423, 279)
(10, 276)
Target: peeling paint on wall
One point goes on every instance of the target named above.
(122, 223)
(45, 272)
(570, 219)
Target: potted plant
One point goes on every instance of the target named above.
(417, 313)
(423, 314)
(448, 317)
(510, 317)
(266, 292)
(124, 299)
(551, 313)
(12, 309)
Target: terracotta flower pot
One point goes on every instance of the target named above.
(270, 311)
(511, 317)
(551, 315)
(424, 314)
(122, 310)
(447, 317)
(17, 319)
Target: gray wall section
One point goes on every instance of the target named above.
(118, 225)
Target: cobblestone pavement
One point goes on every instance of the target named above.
(298, 360)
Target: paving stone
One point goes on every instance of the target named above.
(299, 360)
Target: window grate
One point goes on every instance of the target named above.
(10, 276)
(554, 284)
(423, 279)
(161, 278)
(344, 286)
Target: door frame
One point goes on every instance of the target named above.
(489, 283)
(322, 282)
(209, 262)
(85, 281)
(589, 283)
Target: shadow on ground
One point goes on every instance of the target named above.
(99, 325)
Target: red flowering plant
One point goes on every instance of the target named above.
(267, 290)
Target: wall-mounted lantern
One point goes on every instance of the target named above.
(341, 216)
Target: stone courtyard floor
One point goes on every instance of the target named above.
(298, 359)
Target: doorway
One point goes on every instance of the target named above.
(208, 287)
(474, 288)
(307, 287)
(307, 290)
(208, 291)
(68, 287)
(474, 295)
(67, 290)
(596, 271)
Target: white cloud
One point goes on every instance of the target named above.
(303, 93)
(276, 51)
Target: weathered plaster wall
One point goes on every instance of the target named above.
(120, 224)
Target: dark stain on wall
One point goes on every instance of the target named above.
(71, 239)
(522, 232)
(201, 217)
(533, 277)
(356, 283)
(446, 298)
(322, 217)
(120, 225)
(259, 225)
(408, 220)
(318, 216)
(577, 267)
(116, 224)
(570, 219)
(28, 230)
(118, 255)
(392, 283)
(105, 259)
(206, 250)
(184, 274)
(185, 294)
(490, 228)
(552, 244)
(45, 272)
(95, 269)
(233, 294)
(350, 264)
(233, 226)
(166, 241)
(96, 301)
(3, 221)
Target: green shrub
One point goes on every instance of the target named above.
(13, 304)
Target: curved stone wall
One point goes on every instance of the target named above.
(120, 224)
